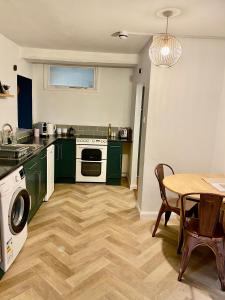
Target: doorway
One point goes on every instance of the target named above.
(24, 102)
(137, 132)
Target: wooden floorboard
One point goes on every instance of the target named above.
(88, 242)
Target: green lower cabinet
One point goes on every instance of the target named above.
(65, 159)
(114, 163)
(1, 273)
(43, 175)
(36, 180)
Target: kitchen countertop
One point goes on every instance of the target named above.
(8, 166)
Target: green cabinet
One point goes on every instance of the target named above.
(43, 174)
(114, 163)
(65, 159)
(36, 180)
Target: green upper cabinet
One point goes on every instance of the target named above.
(36, 180)
(114, 163)
(65, 159)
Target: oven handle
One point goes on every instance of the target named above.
(82, 147)
(93, 161)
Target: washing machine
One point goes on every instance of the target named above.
(14, 211)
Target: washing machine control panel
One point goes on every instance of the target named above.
(22, 174)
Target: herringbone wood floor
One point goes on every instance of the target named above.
(88, 242)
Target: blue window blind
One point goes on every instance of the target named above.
(70, 76)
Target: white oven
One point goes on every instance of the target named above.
(91, 158)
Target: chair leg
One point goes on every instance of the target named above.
(195, 212)
(180, 241)
(167, 216)
(161, 211)
(180, 236)
(188, 247)
(220, 257)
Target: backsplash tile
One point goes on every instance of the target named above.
(90, 130)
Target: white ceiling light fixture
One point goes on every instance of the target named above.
(165, 49)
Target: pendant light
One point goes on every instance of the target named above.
(165, 49)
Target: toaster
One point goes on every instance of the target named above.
(123, 133)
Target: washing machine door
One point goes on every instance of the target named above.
(19, 210)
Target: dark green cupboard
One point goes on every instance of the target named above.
(114, 163)
(65, 158)
(43, 174)
(36, 180)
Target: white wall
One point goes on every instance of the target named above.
(135, 124)
(141, 79)
(110, 104)
(39, 55)
(9, 56)
(182, 115)
(218, 162)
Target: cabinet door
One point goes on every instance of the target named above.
(58, 161)
(42, 175)
(68, 158)
(32, 184)
(114, 163)
(65, 160)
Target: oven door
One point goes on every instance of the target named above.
(90, 171)
(91, 152)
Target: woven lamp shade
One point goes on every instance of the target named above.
(165, 50)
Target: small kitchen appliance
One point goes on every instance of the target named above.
(123, 133)
(42, 128)
(59, 130)
(51, 128)
(64, 131)
(71, 131)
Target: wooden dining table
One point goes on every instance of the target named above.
(191, 183)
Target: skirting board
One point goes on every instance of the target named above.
(149, 215)
(133, 187)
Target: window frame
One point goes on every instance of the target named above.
(48, 86)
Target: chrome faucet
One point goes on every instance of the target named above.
(6, 134)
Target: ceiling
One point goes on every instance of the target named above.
(88, 24)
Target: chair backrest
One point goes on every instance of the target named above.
(159, 173)
(209, 212)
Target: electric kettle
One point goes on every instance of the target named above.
(51, 128)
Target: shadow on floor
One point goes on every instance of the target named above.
(201, 272)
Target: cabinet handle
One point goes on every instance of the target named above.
(61, 151)
(35, 164)
(43, 156)
(93, 161)
(57, 147)
(39, 185)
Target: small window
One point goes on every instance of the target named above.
(71, 77)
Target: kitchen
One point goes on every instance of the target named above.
(164, 111)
